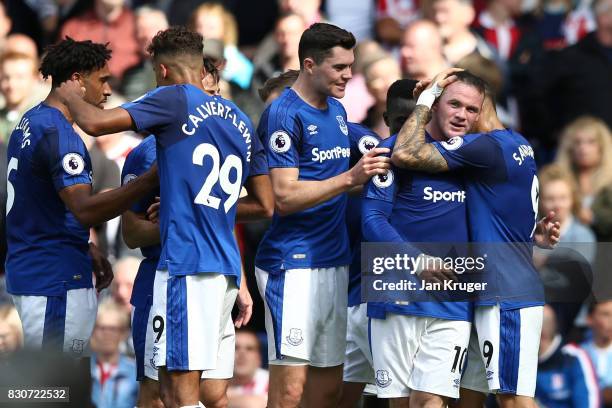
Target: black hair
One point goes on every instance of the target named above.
(210, 65)
(318, 40)
(68, 56)
(470, 79)
(400, 90)
(277, 83)
(174, 41)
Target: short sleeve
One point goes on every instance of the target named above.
(67, 158)
(382, 186)
(362, 140)
(282, 140)
(259, 162)
(138, 162)
(158, 108)
(471, 151)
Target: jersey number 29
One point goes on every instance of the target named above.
(218, 174)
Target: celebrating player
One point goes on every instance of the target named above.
(140, 232)
(302, 260)
(419, 348)
(204, 147)
(50, 207)
(502, 189)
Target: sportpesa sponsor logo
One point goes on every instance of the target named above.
(333, 153)
(429, 194)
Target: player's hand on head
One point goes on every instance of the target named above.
(445, 78)
(153, 211)
(69, 89)
(102, 269)
(372, 163)
(420, 87)
(245, 306)
(548, 231)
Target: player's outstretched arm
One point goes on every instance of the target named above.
(411, 149)
(259, 204)
(292, 195)
(95, 209)
(93, 120)
(138, 231)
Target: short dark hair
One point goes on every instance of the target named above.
(277, 83)
(400, 90)
(210, 65)
(470, 79)
(175, 41)
(61, 60)
(318, 40)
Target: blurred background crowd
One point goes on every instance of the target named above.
(549, 62)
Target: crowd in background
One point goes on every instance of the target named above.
(549, 62)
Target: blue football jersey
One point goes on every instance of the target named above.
(316, 142)
(362, 140)
(48, 250)
(203, 155)
(501, 182)
(139, 161)
(415, 207)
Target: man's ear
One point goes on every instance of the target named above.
(163, 69)
(76, 76)
(309, 64)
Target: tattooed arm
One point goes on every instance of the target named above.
(411, 150)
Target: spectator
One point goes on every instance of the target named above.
(379, 75)
(21, 43)
(110, 21)
(11, 333)
(310, 10)
(140, 78)
(422, 55)
(249, 387)
(586, 152)
(21, 88)
(578, 80)
(565, 373)
(287, 33)
(559, 25)
(357, 100)
(497, 26)
(599, 347)
(392, 18)
(356, 14)
(121, 288)
(113, 375)
(213, 21)
(453, 18)
(558, 193)
(567, 270)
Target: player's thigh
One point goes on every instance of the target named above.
(358, 359)
(148, 394)
(286, 383)
(509, 341)
(213, 392)
(440, 359)
(395, 342)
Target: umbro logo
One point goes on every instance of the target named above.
(312, 130)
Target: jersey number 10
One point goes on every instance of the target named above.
(218, 174)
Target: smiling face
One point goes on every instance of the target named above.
(333, 73)
(457, 109)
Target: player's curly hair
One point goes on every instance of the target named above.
(61, 60)
(176, 40)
